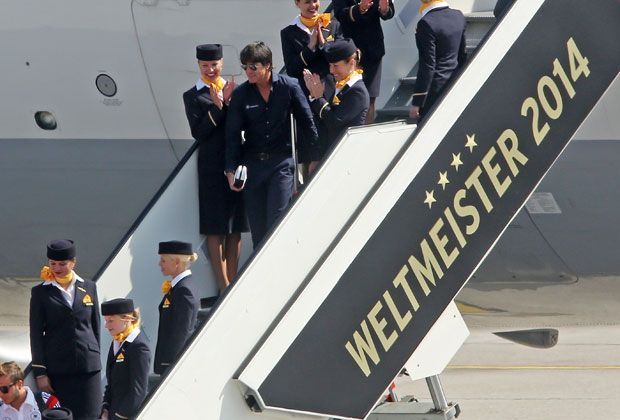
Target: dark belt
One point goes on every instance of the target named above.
(266, 156)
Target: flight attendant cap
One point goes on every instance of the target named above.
(61, 249)
(59, 413)
(175, 248)
(340, 49)
(117, 306)
(209, 52)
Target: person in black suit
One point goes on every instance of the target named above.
(303, 42)
(178, 309)
(222, 214)
(129, 361)
(346, 104)
(64, 333)
(440, 37)
(361, 21)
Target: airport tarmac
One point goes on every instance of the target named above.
(494, 379)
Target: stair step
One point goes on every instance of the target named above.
(409, 80)
(486, 17)
(394, 112)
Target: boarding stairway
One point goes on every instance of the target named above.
(398, 104)
(357, 280)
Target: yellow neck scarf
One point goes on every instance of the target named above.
(48, 275)
(218, 85)
(425, 6)
(166, 286)
(340, 84)
(121, 336)
(310, 23)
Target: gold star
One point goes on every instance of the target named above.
(471, 142)
(443, 179)
(430, 198)
(456, 161)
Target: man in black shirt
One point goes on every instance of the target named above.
(261, 108)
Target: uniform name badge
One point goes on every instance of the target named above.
(87, 300)
(120, 358)
(166, 304)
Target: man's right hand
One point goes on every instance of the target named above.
(43, 383)
(231, 181)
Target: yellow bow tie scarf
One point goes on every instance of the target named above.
(120, 337)
(425, 6)
(310, 23)
(166, 286)
(343, 82)
(218, 85)
(48, 275)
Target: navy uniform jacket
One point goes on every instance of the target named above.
(365, 29)
(178, 311)
(127, 372)
(350, 112)
(297, 55)
(64, 340)
(267, 125)
(440, 37)
(207, 124)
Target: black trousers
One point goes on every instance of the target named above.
(267, 193)
(80, 393)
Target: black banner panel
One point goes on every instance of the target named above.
(452, 212)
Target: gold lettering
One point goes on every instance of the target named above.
(431, 265)
(379, 326)
(363, 346)
(455, 227)
(466, 211)
(475, 181)
(492, 171)
(401, 320)
(513, 154)
(401, 280)
(440, 243)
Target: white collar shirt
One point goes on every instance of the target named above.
(350, 82)
(201, 84)
(435, 6)
(29, 410)
(129, 339)
(69, 293)
(180, 277)
(297, 22)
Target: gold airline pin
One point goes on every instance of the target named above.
(87, 300)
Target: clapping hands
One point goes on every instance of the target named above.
(314, 84)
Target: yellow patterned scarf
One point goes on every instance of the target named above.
(121, 336)
(218, 85)
(341, 83)
(425, 6)
(48, 275)
(310, 23)
(166, 286)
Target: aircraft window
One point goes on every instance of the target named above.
(106, 85)
(45, 120)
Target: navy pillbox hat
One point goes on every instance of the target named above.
(60, 413)
(175, 248)
(117, 307)
(61, 249)
(209, 52)
(340, 49)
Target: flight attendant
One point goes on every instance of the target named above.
(346, 104)
(64, 333)
(179, 306)
(129, 361)
(222, 214)
(361, 21)
(302, 47)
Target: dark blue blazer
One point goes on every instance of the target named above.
(350, 112)
(365, 29)
(127, 372)
(440, 37)
(178, 311)
(63, 339)
(207, 123)
(297, 55)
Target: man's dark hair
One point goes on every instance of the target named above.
(256, 52)
(12, 370)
